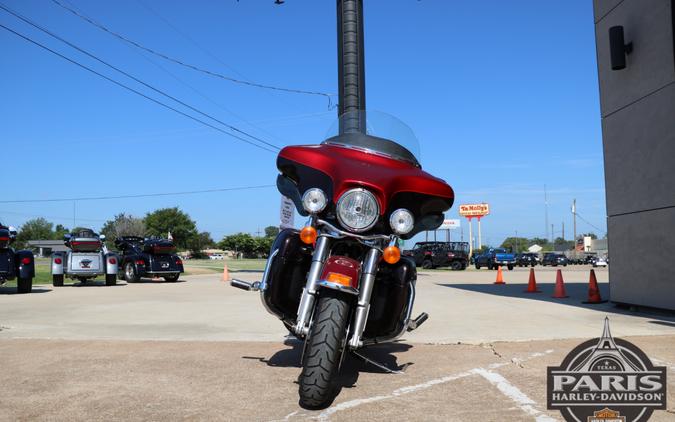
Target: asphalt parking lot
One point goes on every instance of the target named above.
(201, 350)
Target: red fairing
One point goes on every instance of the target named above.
(344, 266)
(349, 168)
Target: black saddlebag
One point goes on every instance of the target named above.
(287, 275)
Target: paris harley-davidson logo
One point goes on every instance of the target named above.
(85, 263)
(606, 380)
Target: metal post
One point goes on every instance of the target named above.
(480, 240)
(470, 238)
(351, 66)
(574, 214)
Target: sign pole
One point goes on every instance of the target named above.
(480, 240)
(470, 237)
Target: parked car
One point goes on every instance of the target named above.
(148, 257)
(216, 256)
(600, 262)
(493, 258)
(439, 254)
(87, 259)
(19, 265)
(527, 259)
(554, 259)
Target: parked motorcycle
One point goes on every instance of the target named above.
(19, 265)
(340, 283)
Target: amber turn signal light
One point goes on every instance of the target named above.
(391, 254)
(308, 235)
(341, 279)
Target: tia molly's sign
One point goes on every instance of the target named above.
(474, 210)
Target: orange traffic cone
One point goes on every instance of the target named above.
(593, 290)
(532, 284)
(559, 292)
(500, 275)
(226, 274)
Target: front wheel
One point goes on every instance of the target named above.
(427, 264)
(457, 266)
(324, 350)
(478, 266)
(510, 267)
(24, 285)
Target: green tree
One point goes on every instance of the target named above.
(591, 235)
(239, 242)
(516, 244)
(33, 229)
(182, 227)
(200, 242)
(59, 232)
(271, 231)
(263, 245)
(122, 225)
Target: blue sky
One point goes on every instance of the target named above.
(503, 97)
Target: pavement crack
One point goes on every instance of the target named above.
(492, 349)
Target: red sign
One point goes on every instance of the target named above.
(474, 210)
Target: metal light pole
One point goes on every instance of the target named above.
(351, 67)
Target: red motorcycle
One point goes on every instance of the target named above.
(340, 283)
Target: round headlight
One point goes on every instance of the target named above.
(357, 210)
(401, 221)
(314, 200)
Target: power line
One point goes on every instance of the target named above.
(187, 65)
(590, 224)
(81, 50)
(134, 91)
(143, 195)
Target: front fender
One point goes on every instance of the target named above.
(26, 262)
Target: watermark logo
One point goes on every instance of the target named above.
(85, 263)
(606, 380)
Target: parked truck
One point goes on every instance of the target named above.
(493, 258)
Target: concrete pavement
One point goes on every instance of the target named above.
(201, 350)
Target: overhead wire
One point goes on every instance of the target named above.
(134, 90)
(191, 66)
(50, 33)
(141, 195)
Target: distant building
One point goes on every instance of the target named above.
(47, 247)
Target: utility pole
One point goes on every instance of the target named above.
(552, 238)
(546, 212)
(563, 230)
(574, 215)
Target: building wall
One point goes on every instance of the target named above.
(638, 125)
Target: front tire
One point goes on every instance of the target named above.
(110, 279)
(427, 264)
(24, 285)
(510, 267)
(324, 350)
(456, 266)
(57, 280)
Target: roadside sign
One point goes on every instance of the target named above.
(450, 224)
(474, 210)
(287, 213)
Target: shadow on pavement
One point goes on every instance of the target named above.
(577, 292)
(6, 290)
(156, 281)
(352, 365)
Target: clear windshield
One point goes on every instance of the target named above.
(387, 134)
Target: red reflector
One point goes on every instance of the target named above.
(140, 262)
(112, 261)
(179, 262)
(4, 239)
(25, 261)
(57, 261)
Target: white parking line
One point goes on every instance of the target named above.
(326, 414)
(511, 391)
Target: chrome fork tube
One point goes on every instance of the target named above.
(309, 292)
(365, 290)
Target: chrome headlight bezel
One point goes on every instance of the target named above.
(307, 197)
(396, 215)
(339, 209)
